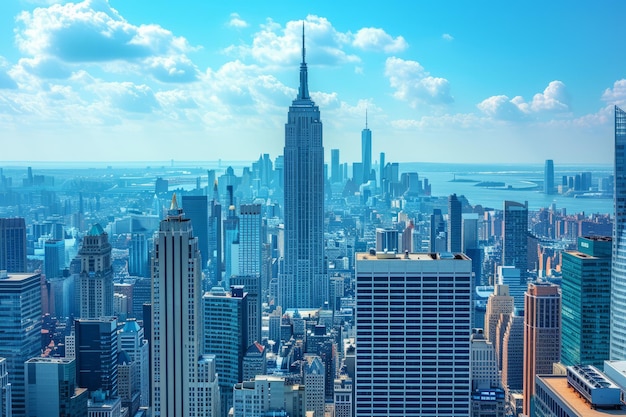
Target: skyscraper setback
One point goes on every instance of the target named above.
(303, 282)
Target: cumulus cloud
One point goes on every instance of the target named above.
(236, 21)
(275, 45)
(6, 81)
(447, 37)
(617, 94)
(554, 99)
(93, 32)
(376, 39)
(128, 97)
(414, 84)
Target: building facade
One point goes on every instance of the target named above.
(95, 280)
(20, 326)
(586, 310)
(542, 335)
(13, 244)
(413, 331)
(618, 265)
(515, 237)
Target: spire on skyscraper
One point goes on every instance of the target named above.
(174, 205)
(303, 93)
(366, 118)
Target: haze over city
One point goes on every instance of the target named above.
(120, 80)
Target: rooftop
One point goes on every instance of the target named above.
(568, 395)
(433, 256)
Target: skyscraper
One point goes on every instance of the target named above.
(20, 327)
(455, 221)
(336, 173)
(95, 281)
(183, 382)
(131, 341)
(52, 389)
(413, 331)
(542, 335)
(196, 209)
(13, 244)
(96, 354)
(304, 283)
(586, 288)
(215, 238)
(548, 177)
(225, 331)
(618, 266)
(515, 237)
(366, 151)
(54, 258)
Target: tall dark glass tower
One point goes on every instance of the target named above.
(366, 151)
(303, 282)
(548, 180)
(618, 264)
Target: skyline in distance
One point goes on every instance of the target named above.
(124, 81)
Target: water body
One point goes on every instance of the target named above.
(447, 179)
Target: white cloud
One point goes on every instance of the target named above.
(93, 32)
(554, 99)
(445, 121)
(376, 39)
(447, 37)
(237, 22)
(275, 45)
(414, 85)
(617, 94)
(6, 81)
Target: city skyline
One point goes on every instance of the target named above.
(120, 81)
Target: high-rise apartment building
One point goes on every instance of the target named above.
(54, 258)
(95, 281)
(586, 309)
(513, 353)
(13, 244)
(618, 265)
(304, 281)
(130, 339)
(500, 302)
(196, 208)
(313, 377)
(438, 239)
(484, 365)
(366, 152)
(20, 327)
(336, 172)
(5, 390)
(515, 237)
(96, 354)
(548, 177)
(52, 388)
(231, 243)
(138, 255)
(215, 238)
(225, 332)
(183, 382)
(455, 221)
(542, 335)
(413, 331)
(250, 239)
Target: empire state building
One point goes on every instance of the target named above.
(303, 282)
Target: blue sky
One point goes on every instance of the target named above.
(458, 81)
